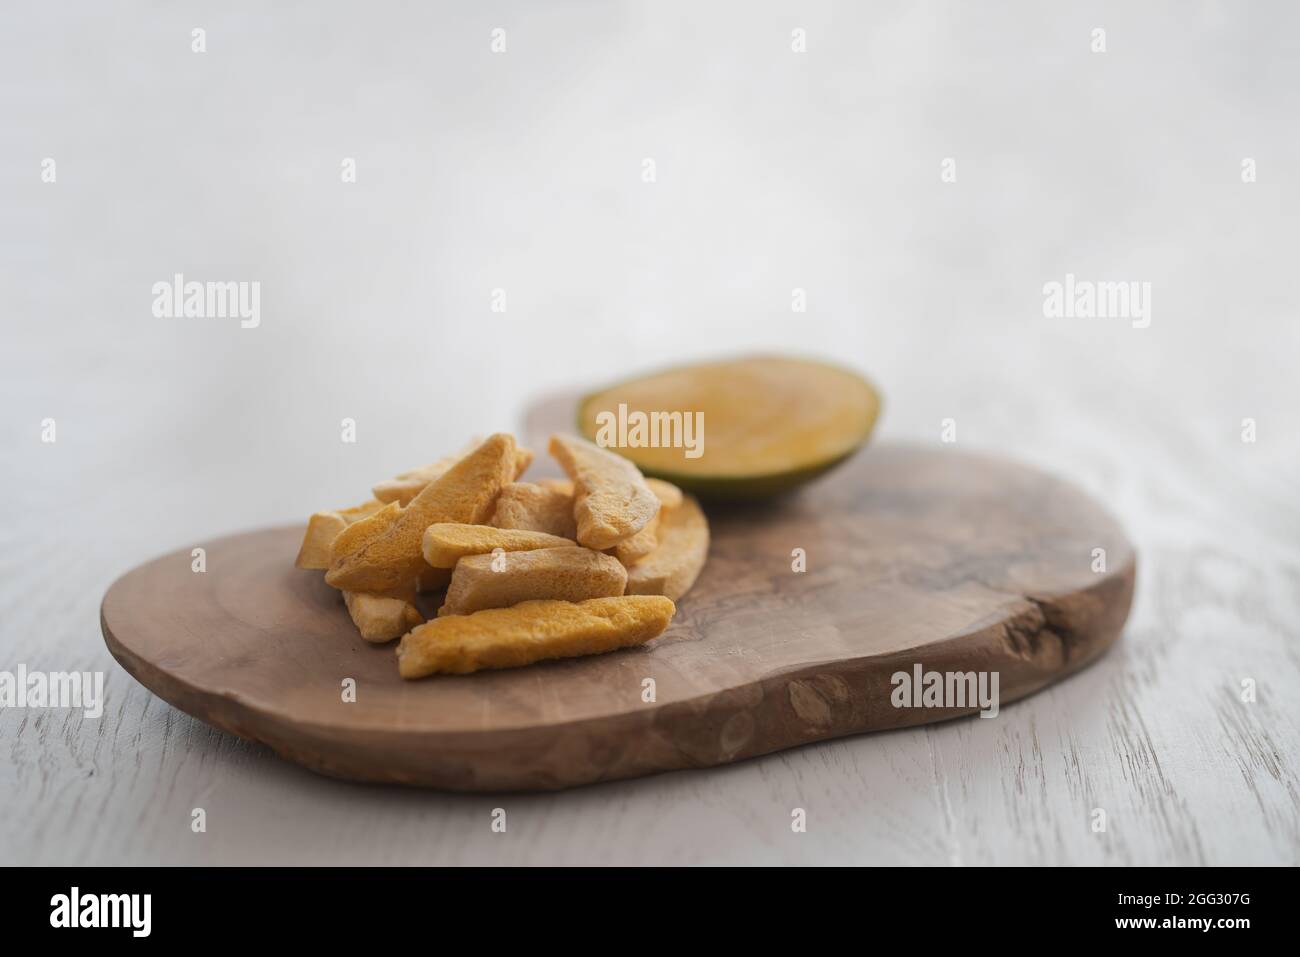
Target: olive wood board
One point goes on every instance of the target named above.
(953, 561)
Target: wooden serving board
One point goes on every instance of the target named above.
(953, 561)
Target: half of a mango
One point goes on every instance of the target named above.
(738, 429)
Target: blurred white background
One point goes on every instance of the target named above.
(522, 171)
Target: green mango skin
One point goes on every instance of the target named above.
(736, 488)
(751, 489)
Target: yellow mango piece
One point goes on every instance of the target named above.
(465, 494)
(523, 459)
(498, 581)
(632, 550)
(366, 531)
(371, 610)
(529, 632)
(671, 569)
(363, 531)
(611, 501)
(323, 528)
(563, 486)
(536, 508)
(669, 495)
(381, 618)
(403, 488)
(445, 543)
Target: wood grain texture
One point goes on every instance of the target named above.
(952, 561)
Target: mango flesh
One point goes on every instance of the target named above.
(611, 501)
(445, 544)
(669, 495)
(564, 574)
(403, 487)
(671, 569)
(547, 598)
(465, 494)
(531, 631)
(362, 532)
(536, 508)
(632, 550)
(323, 528)
(380, 618)
(769, 423)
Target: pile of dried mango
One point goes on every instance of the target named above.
(551, 569)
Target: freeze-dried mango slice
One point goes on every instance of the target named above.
(611, 501)
(671, 569)
(561, 495)
(632, 550)
(523, 459)
(364, 531)
(381, 618)
(529, 632)
(445, 543)
(669, 495)
(497, 581)
(562, 485)
(403, 488)
(465, 494)
(323, 528)
(536, 508)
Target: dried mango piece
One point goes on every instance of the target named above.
(523, 459)
(358, 512)
(466, 494)
(323, 528)
(364, 531)
(498, 581)
(536, 508)
(446, 543)
(611, 501)
(379, 617)
(403, 487)
(669, 495)
(632, 550)
(531, 631)
(563, 486)
(671, 569)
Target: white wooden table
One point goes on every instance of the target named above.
(774, 171)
